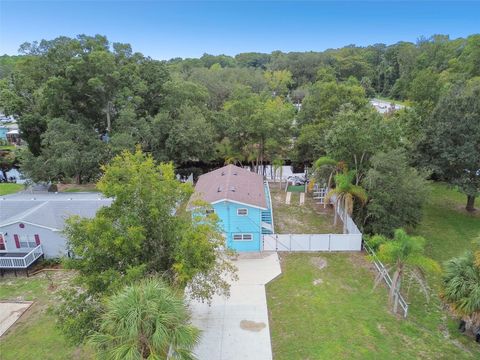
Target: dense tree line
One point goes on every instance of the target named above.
(80, 101)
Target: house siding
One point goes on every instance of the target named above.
(235, 224)
(53, 243)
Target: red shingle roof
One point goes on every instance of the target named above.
(232, 183)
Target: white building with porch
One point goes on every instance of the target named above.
(31, 224)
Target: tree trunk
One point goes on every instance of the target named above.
(397, 295)
(335, 213)
(78, 179)
(344, 217)
(470, 203)
(395, 289)
(391, 293)
(281, 174)
(109, 122)
(4, 172)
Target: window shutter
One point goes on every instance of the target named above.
(37, 239)
(17, 241)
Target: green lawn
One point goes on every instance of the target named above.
(342, 317)
(77, 188)
(34, 336)
(7, 147)
(294, 218)
(10, 188)
(296, 188)
(447, 226)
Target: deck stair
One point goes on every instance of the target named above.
(267, 215)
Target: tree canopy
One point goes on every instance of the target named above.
(146, 230)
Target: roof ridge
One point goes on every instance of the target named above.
(227, 185)
(24, 214)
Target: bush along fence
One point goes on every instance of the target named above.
(398, 298)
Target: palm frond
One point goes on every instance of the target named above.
(325, 161)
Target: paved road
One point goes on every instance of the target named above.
(237, 328)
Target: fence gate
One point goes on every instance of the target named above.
(319, 194)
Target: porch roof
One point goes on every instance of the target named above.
(49, 210)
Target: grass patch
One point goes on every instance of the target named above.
(34, 335)
(449, 230)
(310, 218)
(296, 188)
(447, 226)
(38, 338)
(70, 188)
(7, 147)
(342, 317)
(10, 188)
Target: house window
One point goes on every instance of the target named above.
(242, 212)
(242, 237)
(27, 241)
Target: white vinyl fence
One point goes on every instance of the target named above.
(350, 241)
(351, 226)
(312, 242)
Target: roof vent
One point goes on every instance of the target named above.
(232, 188)
(235, 173)
(223, 173)
(219, 189)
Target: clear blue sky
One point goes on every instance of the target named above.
(166, 29)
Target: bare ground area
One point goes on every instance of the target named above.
(10, 312)
(309, 218)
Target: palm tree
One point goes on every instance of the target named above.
(146, 320)
(277, 165)
(227, 152)
(405, 254)
(325, 169)
(461, 287)
(345, 193)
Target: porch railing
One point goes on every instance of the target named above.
(12, 262)
(270, 207)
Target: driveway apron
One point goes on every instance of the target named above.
(237, 327)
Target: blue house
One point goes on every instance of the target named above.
(3, 132)
(241, 199)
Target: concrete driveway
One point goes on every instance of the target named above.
(237, 327)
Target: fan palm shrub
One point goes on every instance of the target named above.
(147, 320)
(461, 287)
